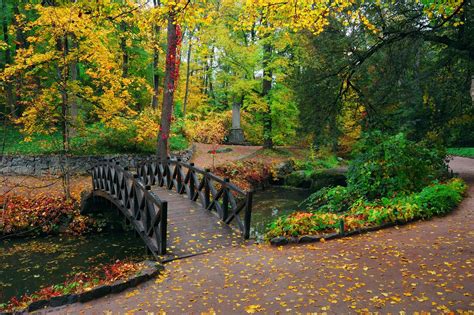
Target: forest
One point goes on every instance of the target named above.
(189, 141)
(92, 77)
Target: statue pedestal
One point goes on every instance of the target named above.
(236, 136)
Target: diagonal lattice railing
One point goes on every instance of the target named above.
(212, 192)
(144, 209)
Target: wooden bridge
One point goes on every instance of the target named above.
(177, 208)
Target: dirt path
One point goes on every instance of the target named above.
(203, 158)
(424, 266)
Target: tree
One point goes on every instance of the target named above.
(170, 82)
(47, 62)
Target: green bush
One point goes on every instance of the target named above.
(387, 165)
(328, 199)
(440, 199)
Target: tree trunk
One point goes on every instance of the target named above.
(20, 42)
(156, 75)
(10, 100)
(188, 73)
(123, 47)
(266, 88)
(169, 88)
(211, 70)
(63, 76)
(73, 110)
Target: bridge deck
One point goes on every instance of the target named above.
(192, 229)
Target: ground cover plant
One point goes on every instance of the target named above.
(77, 283)
(466, 152)
(436, 199)
(391, 179)
(44, 214)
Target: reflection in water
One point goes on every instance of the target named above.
(271, 203)
(28, 264)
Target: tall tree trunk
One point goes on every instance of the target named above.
(169, 88)
(156, 55)
(21, 42)
(73, 110)
(63, 77)
(123, 48)
(10, 100)
(211, 70)
(266, 88)
(188, 73)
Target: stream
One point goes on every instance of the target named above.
(28, 264)
(272, 203)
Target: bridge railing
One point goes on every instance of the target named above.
(212, 192)
(140, 206)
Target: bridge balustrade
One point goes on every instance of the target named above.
(212, 192)
(144, 209)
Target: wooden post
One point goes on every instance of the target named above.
(341, 227)
(179, 179)
(225, 201)
(163, 227)
(248, 214)
(207, 190)
(168, 175)
(191, 182)
(94, 172)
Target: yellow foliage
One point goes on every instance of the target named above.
(147, 125)
(349, 123)
(211, 129)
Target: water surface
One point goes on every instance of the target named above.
(28, 264)
(271, 203)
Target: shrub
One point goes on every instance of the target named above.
(245, 174)
(329, 199)
(212, 129)
(44, 213)
(440, 199)
(388, 165)
(302, 223)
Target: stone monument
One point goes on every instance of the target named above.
(236, 135)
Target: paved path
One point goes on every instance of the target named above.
(424, 266)
(193, 230)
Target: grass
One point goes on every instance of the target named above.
(93, 140)
(466, 152)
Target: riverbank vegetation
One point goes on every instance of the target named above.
(77, 283)
(43, 214)
(391, 179)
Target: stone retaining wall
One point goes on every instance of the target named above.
(51, 164)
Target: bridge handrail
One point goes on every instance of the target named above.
(143, 208)
(182, 176)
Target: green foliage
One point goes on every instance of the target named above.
(301, 223)
(435, 199)
(329, 199)
(467, 152)
(388, 165)
(439, 199)
(95, 139)
(316, 160)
